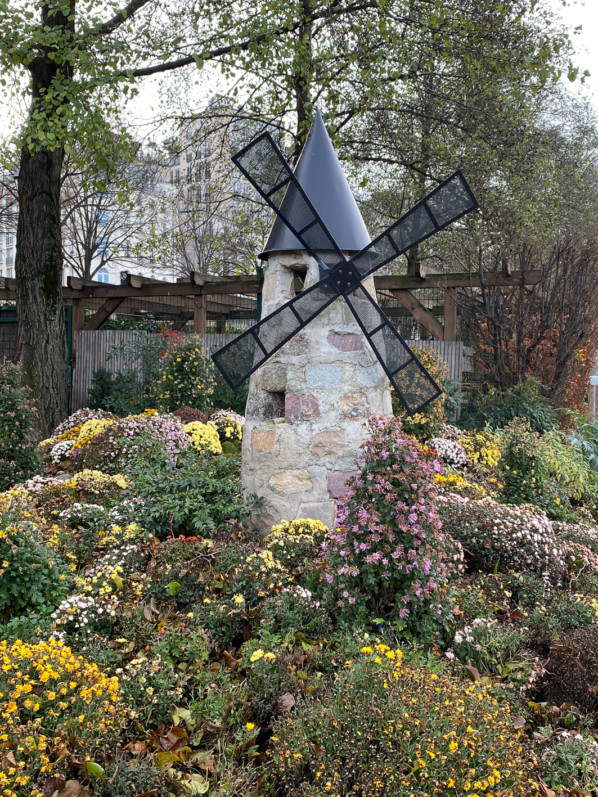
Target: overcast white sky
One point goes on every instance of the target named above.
(584, 13)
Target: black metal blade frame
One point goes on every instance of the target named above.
(344, 279)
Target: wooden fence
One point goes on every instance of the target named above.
(92, 347)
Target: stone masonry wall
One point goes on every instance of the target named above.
(307, 406)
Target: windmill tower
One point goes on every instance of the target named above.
(319, 366)
(308, 404)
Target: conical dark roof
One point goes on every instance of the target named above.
(322, 178)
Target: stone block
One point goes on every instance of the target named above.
(301, 407)
(345, 342)
(323, 376)
(354, 406)
(337, 482)
(324, 511)
(291, 481)
(274, 378)
(265, 442)
(329, 443)
(296, 346)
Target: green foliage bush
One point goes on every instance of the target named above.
(31, 574)
(19, 455)
(498, 408)
(120, 393)
(197, 496)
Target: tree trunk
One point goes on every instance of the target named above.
(38, 267)
(38, 262)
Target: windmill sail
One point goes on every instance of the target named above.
(267, 170)
(265, 167)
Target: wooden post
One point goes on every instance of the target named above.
(450, 314)
(78, 314)
(221, 323)
(199, 314)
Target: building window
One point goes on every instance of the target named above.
(189, 157)
(207, 147)
(103, 218)
(177, 176)
(102, 275)
(102, 246)
(189, 174)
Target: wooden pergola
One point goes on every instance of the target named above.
(203, 298)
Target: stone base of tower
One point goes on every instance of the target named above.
(308, 405)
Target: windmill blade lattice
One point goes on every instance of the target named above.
(265, 167)
(447, 203)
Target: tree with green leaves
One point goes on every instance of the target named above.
(77, 60)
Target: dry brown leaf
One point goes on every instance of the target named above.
(285, 703)
(518, 723)
(474, 673)
(71, 788)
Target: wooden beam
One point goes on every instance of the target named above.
(200, 314)
(421, 313)
(459, 280)
(103, 314)
(252, 285)
(450, 314)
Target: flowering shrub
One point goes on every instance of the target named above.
(56, 708)
(390, 728)
(294, 543)
(388, 550)
(521, 462)
(88, 431)
(502, 538)
(259, 575)
(204, 436)
(31, 575)
(449, 451)
(115, 447)
(481, 448)
(189, 414)
(72, 425)
(229, 428)
(80, 615)
(227, 414)
(453, 482)
(61, 451)
(186, 377)
(19, 455)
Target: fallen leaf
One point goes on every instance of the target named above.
(556, 648)
(546, 791)
(518, 723)
(474, 674)
(71, 788)
(285, 703)
(52, 785)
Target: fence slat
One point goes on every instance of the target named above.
(93, 346)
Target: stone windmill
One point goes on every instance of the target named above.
(321, 360)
